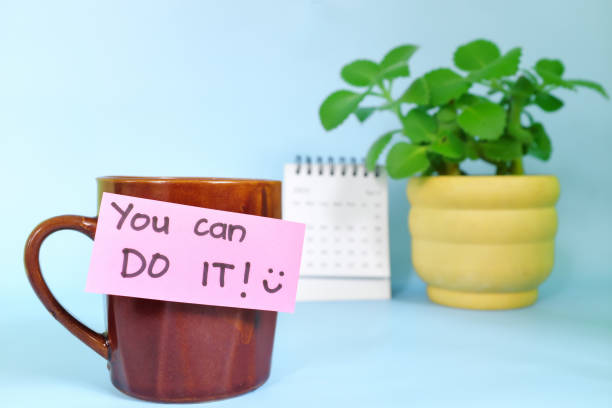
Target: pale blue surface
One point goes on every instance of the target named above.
(404, 352)
(232, 89)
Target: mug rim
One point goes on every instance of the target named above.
(133, 179)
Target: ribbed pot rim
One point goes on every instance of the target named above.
(494, 192)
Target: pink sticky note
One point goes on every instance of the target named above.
(159, 250)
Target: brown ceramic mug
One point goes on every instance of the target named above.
(168, 351)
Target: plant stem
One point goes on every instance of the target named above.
(387, 95)
(494, 84)
(502, 168)
(516, 167)
(452, 169)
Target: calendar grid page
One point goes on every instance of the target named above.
(346, 217)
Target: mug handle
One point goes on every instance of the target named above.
(97, 341)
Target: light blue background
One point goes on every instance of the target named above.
(185, 88)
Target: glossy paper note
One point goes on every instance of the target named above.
(159, 250)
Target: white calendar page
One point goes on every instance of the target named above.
(346, 217)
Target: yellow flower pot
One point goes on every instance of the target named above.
(483, 242)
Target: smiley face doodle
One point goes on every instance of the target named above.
(266, 285)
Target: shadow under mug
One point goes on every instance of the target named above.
(168, 351)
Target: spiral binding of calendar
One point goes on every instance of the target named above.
(342, 167)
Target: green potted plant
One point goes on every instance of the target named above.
(482, 242)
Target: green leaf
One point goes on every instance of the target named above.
(405, 160)
(468, 100)
(551, 71)
(553, 66)
(395, 63)
(483, 119)
(446, 115)
(360, 72)
(518, 132)
(501, 150)
(417, 92)
(470, 150)
(549, 78)
(541, 146)
(523, 87)
(501, 67)
(337, 107)
(530, 76)
(419, 126)
(589, 84)
(390, 105)
(377, 148)
(548, 102)
(364, 113)
(444, 85)
(450, 146)
(476, 55)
